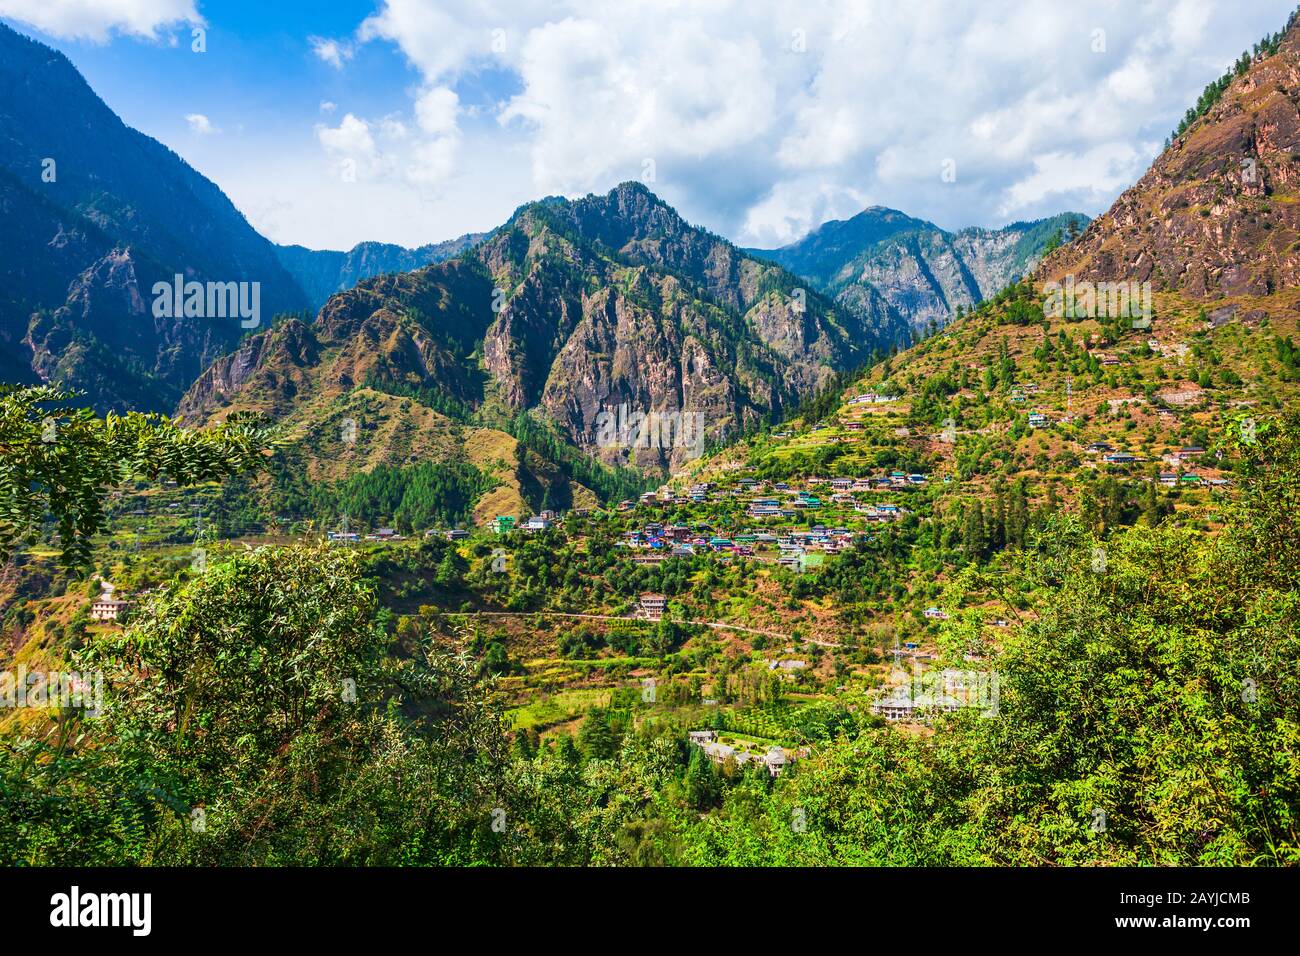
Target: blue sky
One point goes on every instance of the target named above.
(413, 121)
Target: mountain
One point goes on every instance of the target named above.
(918, 269)
(321, 273)
(95, 214)
(1029, 388)
(571, 317)
(1216, 215)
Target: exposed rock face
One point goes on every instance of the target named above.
(570, 310)
(266, 373)
(1216, 214)
(883, 259)
(95, 213)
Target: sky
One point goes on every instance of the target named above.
(413, 121)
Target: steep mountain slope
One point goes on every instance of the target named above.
(1216, 214)
(320, 273)
(95, 214)
(605, 306)
(917, 268)
(1086, 404)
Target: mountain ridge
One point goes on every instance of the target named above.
(922, 271)
(87, 195)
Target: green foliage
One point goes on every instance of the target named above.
(61, 459)
(258, 715)
(418, 496)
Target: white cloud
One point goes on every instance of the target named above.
(761, 117)
(764, 118)
(200, 124)
(444, 37)
(352, 144)
(98, 19)
(387, 149)
(436, 109)
(1090, 178)
(327, 107)
(330, 51)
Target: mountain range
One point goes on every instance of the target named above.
(571, 312)
(95, 214)
(322, 272)
(922, 272)
(1018, 393)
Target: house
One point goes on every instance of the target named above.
(776, 761)
(902, 705)
(1168, 479)
(1191, 451)
(934, 614)
(898, 707)
(653, 605)
(787, 666)
(537, 523)
(106, 607)
(702, 737)
(503, 524)
(1038, 420)
(1099, 447)
(1119, 458)
(852, 426)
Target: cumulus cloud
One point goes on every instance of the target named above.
(353, 145)
(200, 124)
(760, 118)
(435, 110)
(388, 149)
(97, 20)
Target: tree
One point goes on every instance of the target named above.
(60, 459)
(257, 715)
(973, 541)
(702, 781)
(595, 736)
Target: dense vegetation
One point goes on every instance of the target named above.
(267, 712)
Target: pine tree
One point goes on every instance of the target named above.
(973, 535)
(1151, 505)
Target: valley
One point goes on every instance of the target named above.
(953, 543)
